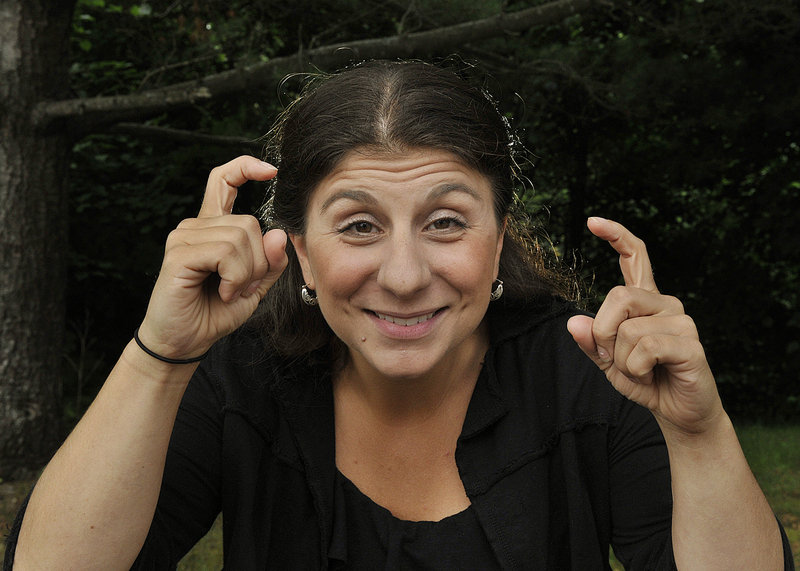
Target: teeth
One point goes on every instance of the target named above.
(405, 322)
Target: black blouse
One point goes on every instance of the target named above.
(376, 539)
(557, 465)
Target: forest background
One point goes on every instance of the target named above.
(678, 118)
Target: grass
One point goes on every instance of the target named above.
(772, 451)
(774, 457)
(207, 554)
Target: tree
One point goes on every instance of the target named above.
(41, 123)
(33, 166)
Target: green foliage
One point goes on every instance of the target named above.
(676, 118)
(679, 120)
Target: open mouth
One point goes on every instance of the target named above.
(407, 322)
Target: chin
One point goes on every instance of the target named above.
(402, 365)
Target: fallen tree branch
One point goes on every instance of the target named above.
(183, 136)
(90, 114)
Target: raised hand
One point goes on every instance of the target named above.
(216, 268)
(645, 343)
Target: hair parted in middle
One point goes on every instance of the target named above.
(383, 108)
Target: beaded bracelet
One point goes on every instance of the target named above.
(169, 360)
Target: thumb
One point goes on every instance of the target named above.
(274, 243)
(580, 327)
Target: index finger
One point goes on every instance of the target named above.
(633, 259)
(225, 180)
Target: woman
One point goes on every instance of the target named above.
(408, 395)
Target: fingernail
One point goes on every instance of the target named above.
(603, 354)
(597, 219)
(269, 165)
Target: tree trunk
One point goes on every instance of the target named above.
(34, 41)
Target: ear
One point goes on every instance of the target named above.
(299, 243)
(500, 237)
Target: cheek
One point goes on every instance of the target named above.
(472, 268)
(339, 272)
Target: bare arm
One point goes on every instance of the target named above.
(93, 505)
(109, 466)
(650, 351)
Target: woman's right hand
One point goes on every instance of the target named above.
(216, 268)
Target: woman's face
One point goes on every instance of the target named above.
(402, 251)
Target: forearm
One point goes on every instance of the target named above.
(94, 503)
(721, 519)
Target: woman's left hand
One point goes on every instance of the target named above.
(646, 345)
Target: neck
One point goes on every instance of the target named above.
(414, 400)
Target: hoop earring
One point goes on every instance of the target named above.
(309, 295)
(497, 292)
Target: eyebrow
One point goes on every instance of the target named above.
(367, 198)
(443, 189)
(356, 195)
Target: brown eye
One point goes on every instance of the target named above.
(447, 223)
(362, 227)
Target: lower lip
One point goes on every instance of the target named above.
(396, 331)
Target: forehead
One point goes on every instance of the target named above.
(419, 168)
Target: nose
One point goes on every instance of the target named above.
(404, 267)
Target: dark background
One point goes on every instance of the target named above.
(679, 119)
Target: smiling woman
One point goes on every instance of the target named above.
(380, 110)
(414, 390)
(402, 251)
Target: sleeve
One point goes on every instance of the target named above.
(641, 494)
(190, 497)
(640, 491)
(13, 535)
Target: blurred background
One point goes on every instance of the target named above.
(678, 118)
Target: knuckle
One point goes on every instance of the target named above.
(674, 304)
(620, 295)
(250, 223)
(603, 331)
(697, 350)
(216, 172)
(186, 223)
(173, 253)
(228, 249)
(240, 237)
(639, 244)
(650, 344)
(687, 325)
(639, 369)
(175, 238)
(628, 329)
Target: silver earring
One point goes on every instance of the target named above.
(497, 292)
(309, 295)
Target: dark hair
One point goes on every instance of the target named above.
(386, 107)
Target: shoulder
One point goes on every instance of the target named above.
(245, 377)
(541, 367)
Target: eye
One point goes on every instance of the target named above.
(358, 227)
(447, 223)
(362, 227)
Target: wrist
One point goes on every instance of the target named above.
(708, 432)
(164, 359)
(699, 455)
(160, 372)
